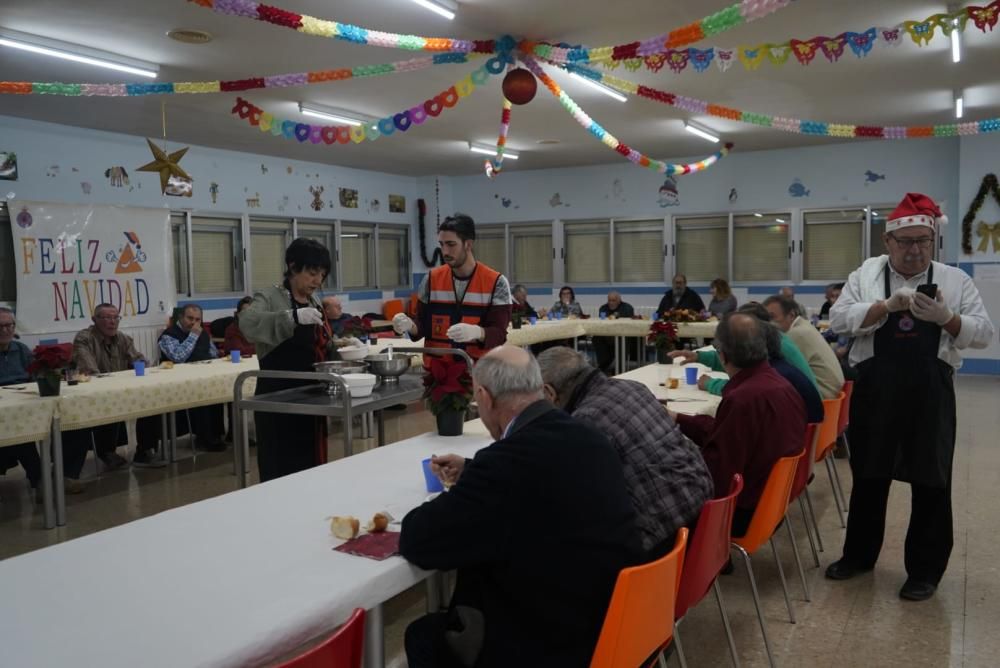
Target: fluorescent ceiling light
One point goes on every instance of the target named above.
(780, 220)
(76, 53)
(330, 114)
(601, 87)
(759, 215)
(956, 43)
(704, 134)
(492, 151)
(959, 105)
(444, 8)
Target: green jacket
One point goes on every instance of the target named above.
(268, 321)
(789, 351)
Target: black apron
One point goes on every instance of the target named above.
(291, 443)
(903, 406)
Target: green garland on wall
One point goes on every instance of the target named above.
(989, 186)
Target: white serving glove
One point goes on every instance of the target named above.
(930, 310)
(465, 333)
(402, 324)
(900, 300)
(309, 316)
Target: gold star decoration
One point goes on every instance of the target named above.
(165, 164)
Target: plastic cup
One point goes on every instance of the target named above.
(140, 367)
(691, 375)
(234, 355)
(533, 320)
(434, 483)
(602, 315)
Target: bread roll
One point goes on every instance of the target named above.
(379, 523)
(344, 528)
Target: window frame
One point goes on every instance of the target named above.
(564, 232)
(345, 226)
(406, 266)
(288, 234)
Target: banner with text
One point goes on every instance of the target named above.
(71, 257)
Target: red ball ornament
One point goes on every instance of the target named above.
(519, 86)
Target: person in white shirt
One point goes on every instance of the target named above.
(910, 317)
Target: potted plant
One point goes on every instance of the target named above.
(663, 336)
(448, 391)
(47, 366)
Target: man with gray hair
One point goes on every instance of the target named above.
(538, 525)
(666, 476)
(604, 345)
(760, 420)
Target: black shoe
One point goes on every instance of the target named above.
(216, 446)
(841, 570)
(915, 590)
(113, 461)
(148, 459)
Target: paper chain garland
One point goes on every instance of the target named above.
(495, 165)
(610, 140)
(794, 125)
(344, 134)
(860, 43)
(735, 15)
(236, 85)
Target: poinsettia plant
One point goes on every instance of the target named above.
(447, 385)
(357, 327)
(684, 315)
(50, 358)
(662, 335)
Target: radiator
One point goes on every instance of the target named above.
(145, 339)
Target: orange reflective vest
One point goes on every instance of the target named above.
(444, 309)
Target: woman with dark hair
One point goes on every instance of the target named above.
(567, 304)
(234, 339)
(286, 324)
(723, 300)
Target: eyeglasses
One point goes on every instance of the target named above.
(109, 318)
(922, 242)
(7, 325)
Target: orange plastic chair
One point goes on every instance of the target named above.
(411, 307)
(771, 508)
(706, 556)
(802, 475)
(341, 650)
(826, 441)
(640, 619)
(845, 413)
(391, 308)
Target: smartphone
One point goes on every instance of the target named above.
(930, 289)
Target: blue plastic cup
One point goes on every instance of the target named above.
(234, 355)
(656, 315)
(602, 315)
(140, 367)
(691, 375)
(434, 483)
(558, 315)
(533, 320)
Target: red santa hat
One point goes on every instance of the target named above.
(916, 210)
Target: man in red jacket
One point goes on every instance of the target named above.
(760, 420)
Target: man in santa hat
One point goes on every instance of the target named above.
(910, 317)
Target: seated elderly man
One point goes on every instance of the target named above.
(666, 475)
(187, 341)
(760, 420)
(787, 314)
(604, 346)
(15, 357)
(333, 309)
(538, 524)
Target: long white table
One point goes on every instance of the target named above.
(687, 399)
(237, 580)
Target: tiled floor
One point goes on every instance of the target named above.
(857, 623)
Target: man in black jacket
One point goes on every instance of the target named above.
(680, 297)
(538, 525)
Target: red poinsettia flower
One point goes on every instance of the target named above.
(662, 334)
(447, 383)
(50, 358)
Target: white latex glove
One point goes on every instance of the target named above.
(309, 316)
(352, 342)
(401, 324)
(931, 310)
(900, 300)
(465, 333)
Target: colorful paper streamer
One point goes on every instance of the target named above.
(345, 134)
(860, 43)
(236, 85)
(610, 140)
(793, 125)
(495, 165)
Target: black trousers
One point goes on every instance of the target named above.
(929, 537)
(425, 644)
(76, 444)
(604, 347)
(286, 444)
(207, 424)
(26, 455)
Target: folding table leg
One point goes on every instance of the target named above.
(374, 654)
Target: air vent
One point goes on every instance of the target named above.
(190, 36)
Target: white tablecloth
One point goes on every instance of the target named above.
(24, 416)
(687, 399)
(553, 330)
(236, 580)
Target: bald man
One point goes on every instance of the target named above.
(333, 309)
(518, 600)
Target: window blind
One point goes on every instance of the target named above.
(639, 252)
(178, 238)
(356, 250)
(588, 255)
(490, 247)
(393, 257)
(532, 248)
(760, 247)
(832, 244)
(703, 247)
(215, 252)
